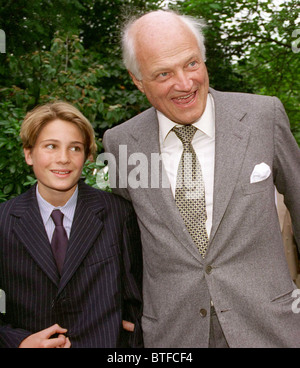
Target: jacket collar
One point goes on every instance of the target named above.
(87, 224)
(231, 141)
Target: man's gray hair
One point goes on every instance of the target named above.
(128, 39)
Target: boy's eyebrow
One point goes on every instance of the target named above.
(56, 140)
(77, 142)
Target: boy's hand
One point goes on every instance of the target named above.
(42, 339)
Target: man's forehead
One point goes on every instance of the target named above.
(162, 35)
(154, 22)
(160, 42)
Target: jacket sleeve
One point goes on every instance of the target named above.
(11, 337)
(132, 281)
(287, 166)
(112, 148)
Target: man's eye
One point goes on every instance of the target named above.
(164, 74)
(50, 146)
(193, 63)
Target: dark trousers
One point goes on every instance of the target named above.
(216, 335)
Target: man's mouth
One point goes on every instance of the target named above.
(185, 100)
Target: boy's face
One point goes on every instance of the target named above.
(57, 159)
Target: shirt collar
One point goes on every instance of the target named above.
(46, 208)
(206, 123)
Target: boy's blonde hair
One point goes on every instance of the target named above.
(36, 119)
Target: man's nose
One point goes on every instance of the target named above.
(183, 81)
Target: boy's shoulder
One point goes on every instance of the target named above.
(104, 198)
(18, 202)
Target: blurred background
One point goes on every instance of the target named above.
(69, 50)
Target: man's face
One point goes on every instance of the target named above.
(174, 76)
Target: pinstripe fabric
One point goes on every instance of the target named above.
(101, 278)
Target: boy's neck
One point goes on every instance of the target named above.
(55, 197)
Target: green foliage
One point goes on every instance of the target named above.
(14, 171)
(96, 175)
(249, 48)
(65, 72)
(68, 72)
(29, 25)
(105, 17)
(69, 50)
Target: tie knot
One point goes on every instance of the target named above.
(57, 217)
(185, 133)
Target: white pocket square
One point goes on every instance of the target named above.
(261, 172)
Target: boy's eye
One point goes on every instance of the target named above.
(76, 148)
(50, 146)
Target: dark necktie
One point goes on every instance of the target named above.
(59, 241)
(190, 190)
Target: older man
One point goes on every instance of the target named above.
(215, 273)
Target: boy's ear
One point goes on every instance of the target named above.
(90, 158)
(28, 158)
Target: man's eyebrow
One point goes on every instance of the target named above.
(193, 57)
(165, 68)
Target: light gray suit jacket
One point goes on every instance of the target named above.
(245, 272)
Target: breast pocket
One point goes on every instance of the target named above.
(252, 188)
(102, 254)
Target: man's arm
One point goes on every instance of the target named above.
(287, 167)
(112, 147)
(132, 281)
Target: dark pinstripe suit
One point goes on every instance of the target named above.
(100, 283)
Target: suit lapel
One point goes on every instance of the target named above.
(231, 142)
(87, 224)
(31, 233)
(146, 133)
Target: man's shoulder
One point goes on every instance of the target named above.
(242, 99)
(134, 122)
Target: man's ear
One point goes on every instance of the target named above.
(28, 158)
(137, 82)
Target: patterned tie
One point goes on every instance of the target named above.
(190, 190)
(59, 241)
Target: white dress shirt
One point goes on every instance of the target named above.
(204, 146)
(46, 209)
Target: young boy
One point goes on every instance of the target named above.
(70, 256)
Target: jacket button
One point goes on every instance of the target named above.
(203, 312)
(208, 269)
